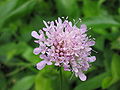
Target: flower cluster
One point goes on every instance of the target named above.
(64, 45)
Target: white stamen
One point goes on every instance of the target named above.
(94, 51)
(71, 76)
(67, 17)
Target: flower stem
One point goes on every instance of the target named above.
(60, 78)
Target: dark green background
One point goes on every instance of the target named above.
(17, 62)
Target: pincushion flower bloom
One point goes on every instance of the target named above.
(64, 45)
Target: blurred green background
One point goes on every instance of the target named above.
(17, 62)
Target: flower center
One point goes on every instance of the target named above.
(59, 49)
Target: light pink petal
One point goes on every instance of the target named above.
(42, 44)
(75, 70)
(66, 69)
(91, 43)
(41, 32)
(70, 23)
(43, 56)
(59, 20)
(36, 51)
(36, 41)
(51, 24)
(45, 29)
(35, 34)
(82, 76)
(48, 34)
(49, 63)
(83, 28)
(47, 43)
(91, 59)
(57, 64)
(41, 65)
(88, 49)
(43, 47)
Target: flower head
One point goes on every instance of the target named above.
(64, 45)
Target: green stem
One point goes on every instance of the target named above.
(60, 78)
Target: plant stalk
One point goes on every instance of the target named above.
(61, 78)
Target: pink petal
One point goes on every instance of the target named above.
(43, 56)
(36, 51)
(57, 64)
(35, 34)
(70, 23)
(59, 20)
(91, 43)
(66, 69)
(91, 59)
(48, 34)
(45, 29)
(83, 28)
(75, 70)
(82, 76)
(36, 41)
(41, 65)
(52, 24)
(49, 63)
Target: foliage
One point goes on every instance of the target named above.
(17, 62)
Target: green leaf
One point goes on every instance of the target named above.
(101, 21)
(3, 82)
(91, 84)
(43, 83)
(9, 50)
(115, 67)
(25, 32)
(29, 56)
(110, 80)
(67, 8)
(100, 43)
(19, 11)
(25, 83)
(115, 71)
(116, 44)
(23, 49)
(100, 2)
(106, 82)
(108, 54)
(23, 9)
(88, 6)
(6, 7)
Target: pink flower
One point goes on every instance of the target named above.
(64, 45)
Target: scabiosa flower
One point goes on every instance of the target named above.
(64, 45)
